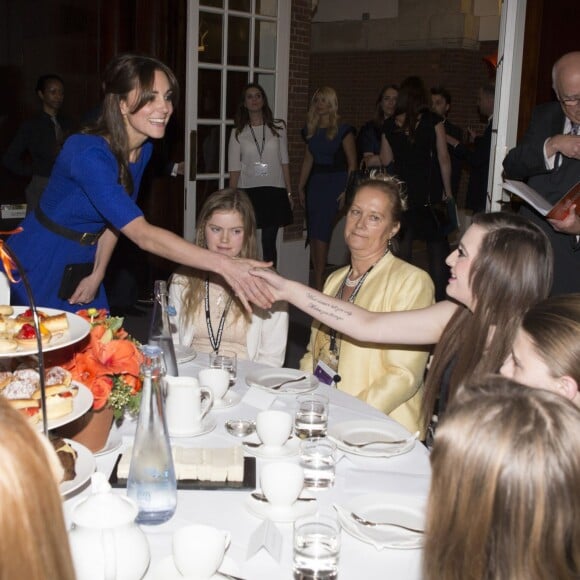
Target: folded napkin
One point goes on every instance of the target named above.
(203, 464)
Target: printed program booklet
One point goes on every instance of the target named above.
(558, 211)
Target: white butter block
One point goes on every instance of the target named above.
(203, 464)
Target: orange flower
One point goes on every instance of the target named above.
(133, 382)
(101, 387)
(119, 356)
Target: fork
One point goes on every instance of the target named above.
(396, 442)
(296, 380)
(372, 524)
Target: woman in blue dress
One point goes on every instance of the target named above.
(329, 157)
(90, 198)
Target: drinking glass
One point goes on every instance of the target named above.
(311, 417)
(225, 359)
(318, 459)
(316, 548)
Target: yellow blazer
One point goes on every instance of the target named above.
(388, 377)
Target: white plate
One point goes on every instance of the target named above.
(230, 399)
(81, 404)
(384, 507)
(266, 511)
(78, 328)
(84, 467)
(266, 378)
(165, 569)
(289, 449)
(361, 431)
(114, 441)
(208, 424)
(184, 353)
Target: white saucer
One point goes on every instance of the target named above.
(114, 441)
(165, 569)
(265, 511)
(208, 424)
(289, 449)
(230, 399)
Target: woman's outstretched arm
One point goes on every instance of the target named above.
(422, 326)
(236, 272)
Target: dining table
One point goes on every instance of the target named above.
(405, 477)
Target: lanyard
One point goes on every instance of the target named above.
(351, 300)
(215, 341)
(260, 151)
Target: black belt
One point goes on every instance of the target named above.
(84, 239)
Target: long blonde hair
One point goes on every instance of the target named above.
(34, 539)
(504, 501)
(225, 200)
(313, 118)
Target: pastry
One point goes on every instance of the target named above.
(67, 456)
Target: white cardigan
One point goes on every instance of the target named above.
(267, 332)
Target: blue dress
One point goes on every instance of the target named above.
(84, 195)
(326, 182)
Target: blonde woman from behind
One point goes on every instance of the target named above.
(504, 501)
(34, 540)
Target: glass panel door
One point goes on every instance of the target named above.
(230, 43)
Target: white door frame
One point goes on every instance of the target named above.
(280, 104)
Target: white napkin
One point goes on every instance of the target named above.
(258, 398)
(266, 536)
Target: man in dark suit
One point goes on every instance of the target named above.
(477, 156)
(548, 158)
(440, 104)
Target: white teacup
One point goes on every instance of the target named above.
(282, 483)
(216, 380)
(198, 550)
(273, 427)
(186, 405)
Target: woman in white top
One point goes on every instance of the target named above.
(209, 315)
(258, 164)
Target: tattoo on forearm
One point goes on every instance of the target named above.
(321, 306)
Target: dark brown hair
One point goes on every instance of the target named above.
(511, 272)
(243, 117)
(123, 74)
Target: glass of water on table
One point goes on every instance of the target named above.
(311, 416)
(316, 548)
(225, 359)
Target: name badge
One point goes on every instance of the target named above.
(324, 373)
(260, 169)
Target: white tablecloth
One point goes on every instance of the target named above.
(404, 474)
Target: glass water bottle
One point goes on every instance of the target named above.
(151, 482)
(160, 329)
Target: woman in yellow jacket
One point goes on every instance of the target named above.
(388, 377)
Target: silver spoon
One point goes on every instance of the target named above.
(390, 442)
(296, 380)
(372, 524)
(261, 497)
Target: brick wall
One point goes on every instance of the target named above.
(298, 88)
(358, 76)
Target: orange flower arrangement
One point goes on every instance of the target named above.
(109, 364)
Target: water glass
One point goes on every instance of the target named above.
(316, 548)
(318, 459)
(311, 417)
(225, 359)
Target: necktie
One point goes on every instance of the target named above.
(575, 130)
(57, 130)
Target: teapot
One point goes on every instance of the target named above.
(105, 541)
